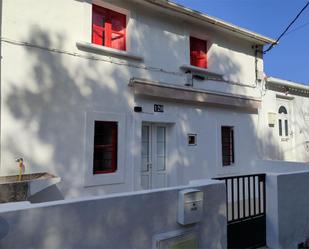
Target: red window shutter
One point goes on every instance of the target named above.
(198, 52)
(108, 28)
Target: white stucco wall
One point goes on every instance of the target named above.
(133, 220)
(287, 209)
(51, 91)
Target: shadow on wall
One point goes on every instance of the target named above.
(269, 149)
(54, 96)
(48, 107)
(132, 222)
(302, 130)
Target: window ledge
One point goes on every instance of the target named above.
(201, 71)
(89, 47)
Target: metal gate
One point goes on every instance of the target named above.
(245, 210)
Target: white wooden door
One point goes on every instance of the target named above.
(285, 129)
(153, 169)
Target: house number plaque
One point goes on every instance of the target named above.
(158, 108)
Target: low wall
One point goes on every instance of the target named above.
(275, 166)
(132, 220)
(267, 166)
(287, 209)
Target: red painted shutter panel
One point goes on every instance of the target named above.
(198, 52)
(97, 28)
(108, 33)
(118, 36)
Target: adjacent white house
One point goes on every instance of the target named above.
(286, 105)
(117, 96)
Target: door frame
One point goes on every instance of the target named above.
(153, 165)
(174, 168)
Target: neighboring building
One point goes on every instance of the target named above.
(285, 106)
(117, 96)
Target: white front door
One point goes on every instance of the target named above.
(153, 169)
(285, 130)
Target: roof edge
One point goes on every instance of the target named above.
(286, 83)
(215, 21)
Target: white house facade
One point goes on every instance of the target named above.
(118, 96)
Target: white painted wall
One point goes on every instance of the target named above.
(49, 97)
(51, 92)
(99, 222)
(287, 209)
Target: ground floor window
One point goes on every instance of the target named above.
(105, 147)
(227, 140)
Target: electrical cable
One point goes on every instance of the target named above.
(89, 57)
(287, 28)
(110, 60)
(297, 28)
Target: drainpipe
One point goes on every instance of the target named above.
(258, 74)
(256, 65)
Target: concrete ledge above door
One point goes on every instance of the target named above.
(191, 95)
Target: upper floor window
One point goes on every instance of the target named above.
(108, 28)
(198, 52)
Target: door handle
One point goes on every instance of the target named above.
(149, 165)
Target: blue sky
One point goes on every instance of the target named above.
(290, 59)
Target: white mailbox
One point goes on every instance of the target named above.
(190, 206)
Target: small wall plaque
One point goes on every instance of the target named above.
(138, 109)
(192, 139)
(158, 108)
(272, 119)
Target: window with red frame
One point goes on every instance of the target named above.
(108, 28)
(105, 147)
(198, 52)
(227, 137)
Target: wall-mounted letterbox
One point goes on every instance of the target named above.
(190, 206)
(272, 119)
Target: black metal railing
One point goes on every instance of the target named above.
(245, 196)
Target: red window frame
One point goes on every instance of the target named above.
(198, 52)
(108, 28)
(227, 142)
(105, 147)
